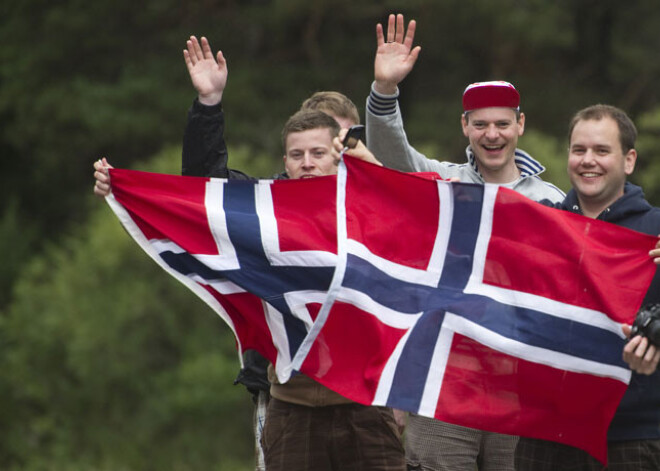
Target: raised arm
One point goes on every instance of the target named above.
(386, 136)
(204, 148)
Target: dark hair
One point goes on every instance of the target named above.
(627, 129)
(305, 120)
(333, 103)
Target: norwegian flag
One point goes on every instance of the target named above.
(261, 254)
(467, 303)
(474, 305)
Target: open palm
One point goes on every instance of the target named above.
(207, 73)
(395, 57)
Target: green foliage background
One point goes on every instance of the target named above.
(107, 362)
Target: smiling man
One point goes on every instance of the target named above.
(598, 161)
(492, 122)
(601, 155)
(307, 141)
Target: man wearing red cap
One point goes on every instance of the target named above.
(492, 122)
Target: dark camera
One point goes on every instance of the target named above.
(647, 323)
(353, 135)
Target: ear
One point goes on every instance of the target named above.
(286, 161)
(464, 124)
(629, 161)
(521, 124)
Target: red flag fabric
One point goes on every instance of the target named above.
(477, 306)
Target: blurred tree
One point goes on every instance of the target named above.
(18, 233)
(81, 80)
(647, 168)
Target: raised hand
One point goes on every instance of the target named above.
(207, 73)
(395, 57)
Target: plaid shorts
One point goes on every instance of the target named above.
(541, 455)
(433, 445)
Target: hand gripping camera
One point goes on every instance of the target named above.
(647, 323)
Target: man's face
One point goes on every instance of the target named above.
(493, 134)
(597, 166)
(308, 154)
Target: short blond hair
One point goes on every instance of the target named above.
(333, 103)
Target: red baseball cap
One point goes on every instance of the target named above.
(490, 94)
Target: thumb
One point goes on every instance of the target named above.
(626, 330)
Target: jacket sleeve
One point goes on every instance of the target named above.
(387, 139)
(204, 150)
